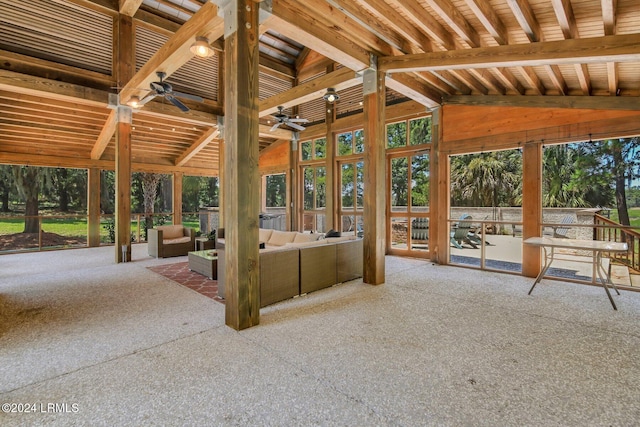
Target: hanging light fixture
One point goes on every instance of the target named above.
(134, 102)
(331, 96)
(201, 48)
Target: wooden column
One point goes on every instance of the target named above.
(221, 172)
(93, 207)
(293, 206)
(331, 220)
(242, 180)
(176, 186)
(123, 183)
(374, 176)
(440, 200)
(125, 60)
(531, 206)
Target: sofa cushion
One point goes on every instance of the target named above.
(183, 239)
(171, 231)
(340, 239)
(279, 238)
(305, 244)
(264, 234)
(305, 237)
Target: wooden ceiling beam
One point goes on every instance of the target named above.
(364, 19)
(343, 78)
(197, 146)
(620, 48)
(456, 21)
(52, 89)
(489, 20)
(569, 27)
(175, 52)
(129, 7)
(414, 88)
(529, 23)
(105, 136)
(287, 22)
(576, 102)
(609, 15)
(424, 21)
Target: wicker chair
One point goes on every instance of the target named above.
(170, 240)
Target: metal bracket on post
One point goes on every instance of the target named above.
(228, 10)
(221, 127)
(266, 10)
(114, 101)
(124, 114)
(295, 137)
(369, 83)
(435, 114)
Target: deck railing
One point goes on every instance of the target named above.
(610, 231)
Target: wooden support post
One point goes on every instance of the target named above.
(374, 172)
(440, 173)
(242, 180)
(176, 186)
(221, 173)
(531, 206)
(293, 212)
(123, 184)
(125, 66)
(93, 207)
(331, 220)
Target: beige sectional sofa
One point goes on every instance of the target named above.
(293, 264)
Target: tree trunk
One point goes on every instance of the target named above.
(31, 222)
(619, 170)
(5, 201)
(27, 179)
(150, 190)
(63, 193)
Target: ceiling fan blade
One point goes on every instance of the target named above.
(187, 96)
(177, 103)
(298, 121)
(274, 127)
(295, 126)
(147, 98)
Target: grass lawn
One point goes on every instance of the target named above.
(634, 217)
(74, 227)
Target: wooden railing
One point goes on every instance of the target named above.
(610, 231)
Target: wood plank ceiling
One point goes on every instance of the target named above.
(58, 84)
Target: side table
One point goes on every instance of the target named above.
(203, 244)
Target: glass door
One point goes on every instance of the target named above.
(408, 210)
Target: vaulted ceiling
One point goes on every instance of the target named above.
(59, 84)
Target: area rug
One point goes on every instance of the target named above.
(180, 273)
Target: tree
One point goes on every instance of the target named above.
(150, 182)
(487, 179)
(28, 180)
(6, 185)
(613, 160)
(561, 188)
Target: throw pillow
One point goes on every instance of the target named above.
(332, 233)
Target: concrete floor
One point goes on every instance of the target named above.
(86, 342)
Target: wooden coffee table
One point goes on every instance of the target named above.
(205, 263)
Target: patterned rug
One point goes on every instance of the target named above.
(180, 273)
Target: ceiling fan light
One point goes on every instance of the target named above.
(331, 96)
(201, 48)
(134, 102)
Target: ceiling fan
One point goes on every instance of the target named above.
(164, 89)
(284, 119)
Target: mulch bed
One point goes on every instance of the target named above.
(18, 241)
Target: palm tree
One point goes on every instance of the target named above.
(560, 186)
(486, 179)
